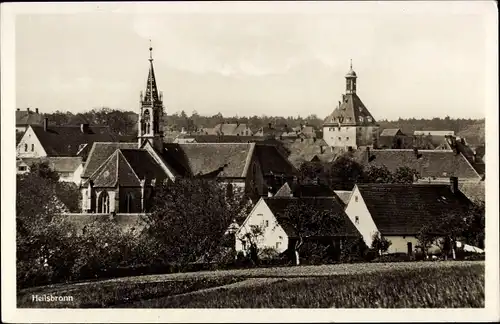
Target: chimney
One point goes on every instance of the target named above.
(36, 110)
(415, 150)
(27, 109)
(45, 124)
(237, 123)
(84, 128)
(368, 152)
(322, 149)
(454, 184)
(18, 109)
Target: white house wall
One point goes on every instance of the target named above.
(344, 136)
(30, 139)
(365, 224)
(273, 232)
(399, 244)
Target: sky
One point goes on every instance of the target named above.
(420, 61)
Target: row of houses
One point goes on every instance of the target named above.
(396, 211)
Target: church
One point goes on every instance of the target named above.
(350, 125)
(120, 177)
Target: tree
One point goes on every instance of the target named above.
(405, 174)
(426, 237)
(345, 171)
(376, 174)
(43, 170)
(39, 232)
(309, 220)
(190, 217)
(380, 243)
(251, 240)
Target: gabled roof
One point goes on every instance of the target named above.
(473, 190)
(272, 161)
(24, 117)
(430, 164)
(100, 152)
(402, 209)
(127, 167)
(343, 195)
(67, 140)
(391, 132)
(351, 112)
(284, 191)
(193, 159)
(325, 227)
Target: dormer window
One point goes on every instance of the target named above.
(356, 220)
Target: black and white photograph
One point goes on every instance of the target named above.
(285, 161)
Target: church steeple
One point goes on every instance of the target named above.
(350, 78)
(150, 119)
(151, 89)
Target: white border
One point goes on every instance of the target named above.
(10, 314)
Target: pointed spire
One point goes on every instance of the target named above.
(151, 93)
(351, 64)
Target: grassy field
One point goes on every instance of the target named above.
(396, 285)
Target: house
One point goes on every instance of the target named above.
(310, 150)
(394, 138)
(65, 148)
(432, 165)
(279, 231)
(235, 129)
(398, 211)
(61, 141)
(350, 125)
(431, 139)
(69, 168)
(25, 118)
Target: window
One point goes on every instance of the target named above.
(103, 203)
(278, 244)
(32, 147)
(130, 201)
(25, 147)
(355, 198)
(347, 138)
(340, 138)
(22, 168)
(267, 223)
(356, 219)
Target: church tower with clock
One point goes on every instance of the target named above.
(151, 115)
(350, 125)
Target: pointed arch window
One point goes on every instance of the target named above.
(130, 203)
(103, 203)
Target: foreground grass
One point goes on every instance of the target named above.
(98, 295)
(453, 286)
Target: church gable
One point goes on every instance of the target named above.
(116, 171)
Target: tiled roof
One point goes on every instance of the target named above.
(351, 112)
(65, 164)
(473, 190)
(100, 152)
(144, 166)
(343, 195)
(230, 129)
(433, 133)
(306, 150)
(24, 117)
(399, 209)
(327, 226)
(128, 167)
(67, 140)
(272, 161)
(391, 132)
(431, 164)
(225, 139)
(192, 159)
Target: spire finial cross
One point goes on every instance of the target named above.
(351, 64)
(150, 51)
